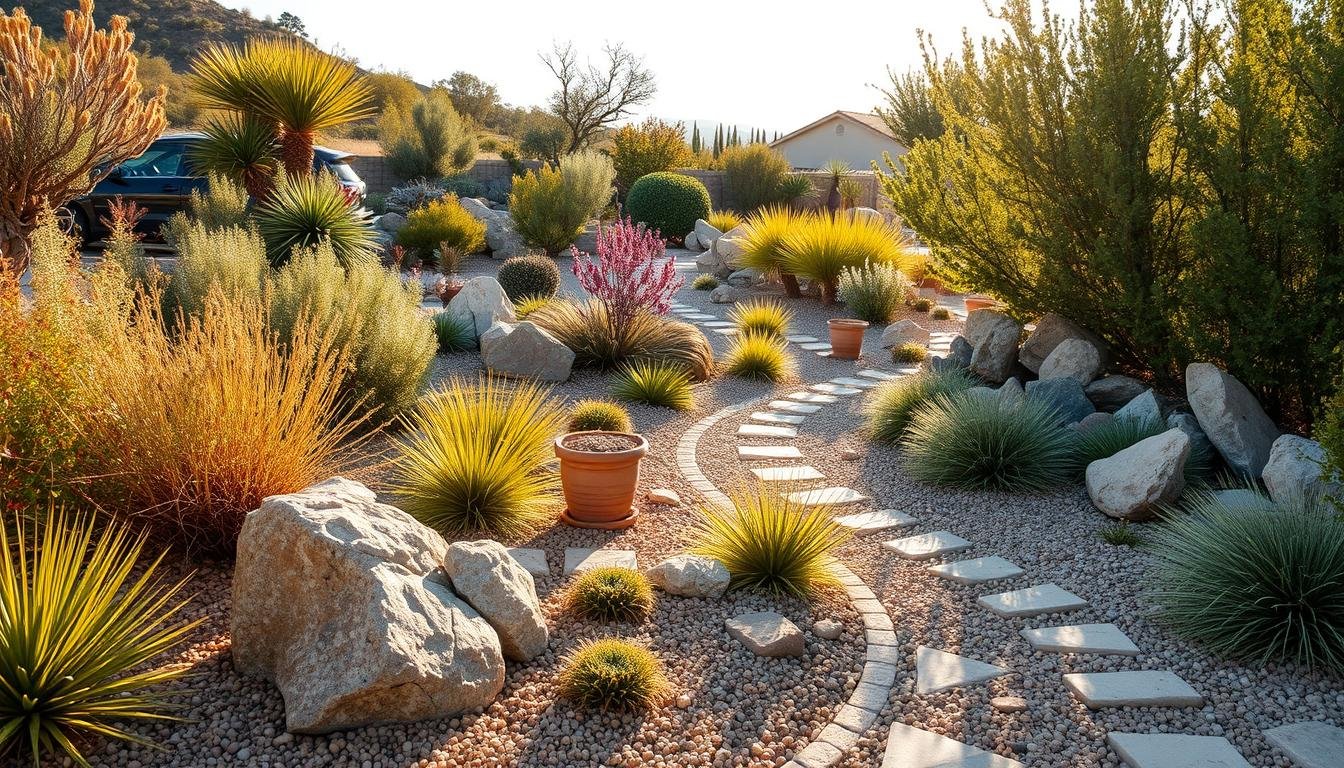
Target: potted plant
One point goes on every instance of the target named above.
(599, 472)
(980, 301)
(846, 337)
(450, 262)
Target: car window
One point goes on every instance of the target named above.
(161, 159)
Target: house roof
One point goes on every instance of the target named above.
(871, 122)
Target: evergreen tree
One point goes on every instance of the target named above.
(718, 140)
(695, 138)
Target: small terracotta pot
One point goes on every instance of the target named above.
(846, 337)
(600, 486)
(980, 302)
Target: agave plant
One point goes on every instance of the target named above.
(304, 211)
(241, 147)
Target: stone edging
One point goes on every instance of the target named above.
(881, 652)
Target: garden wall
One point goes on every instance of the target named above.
(375, 171)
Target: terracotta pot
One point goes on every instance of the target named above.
(846, 337)
(980, 302)
(600, 486)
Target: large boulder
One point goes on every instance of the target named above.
(1012, 393)
(1110, 393)
(485, 575)
(994, 344)
(587, 240)
(1144, 409)
(867, 214)
(480, 304)
(904, 332)
(1232, 418)
(1050, 332)
(710, 264)
(501, 237)
(1187, 423)
(1074, 358)
(525, 351)
(1065, 396)
(341, 602)
(959, 353)
(745, 278)
(1132, 484)
(724, 294)
(391, 222)
(1296, 469)
(691, 576)
(729, 246)
(706, 233)
(692, 243)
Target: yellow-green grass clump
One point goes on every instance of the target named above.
(613, 675)
(760, 356)
(761, 316)
(599, 414)
(655, 383)
(611, 594)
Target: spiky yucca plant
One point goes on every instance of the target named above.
(760, 356)
(761, 316)
(611, 594)
(304, 211)
(822, 247)
(655, 383)
(892, 403)
(79, 627)
(599, 414)
(763, 247)
(613, 675)
(241, 147)
(473, 455)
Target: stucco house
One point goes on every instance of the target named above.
(857, 138)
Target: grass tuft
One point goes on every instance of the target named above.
(610, 594)
(761, 317)
(529, 304)
(586, 329)
(599, 414)
(760, 356)
(613, 675)
(940, 313)
(453, 334)
(893, 402)
(921, 305)
(1121, 535)
(724, 220)
(655, 383)
(705, 283)
(909, 353)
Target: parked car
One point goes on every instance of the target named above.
(161, 181)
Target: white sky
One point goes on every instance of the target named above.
(776, 66)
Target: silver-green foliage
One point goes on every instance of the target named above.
(892, 404)
(874, 292)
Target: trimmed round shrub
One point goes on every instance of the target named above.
(613, 675)
(599, 414)
(611, 594)
(655, 383)
(909, 353)
(758, 355)
(669, 202)
(893, 402)
(530, 276)
(705, 283)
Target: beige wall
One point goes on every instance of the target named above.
(860, 146)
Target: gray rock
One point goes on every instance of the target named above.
(1074, 358)
(1143, 409)
(1310, 744)
(391, 222)
(1132, 484)
(500, 589)
(724, 294)
(827, 629)
(480, 304)
(1110, 393)
(987, 394)
(706, 233)
(691, 576)
(766, 633)
(501, 237)
(1012, 392)
(904, 332)
(1064, 395)
(1049, 332)
(728, 247)
(745, 278)
(709, 263)
(1296, 470)
(981, 323)
(1232, 418)
(1187, 423)
(995, 345)
(959, 353)
(525, 351)
(861, 213)
(1093, 420)
(692, 243)
(587, 240)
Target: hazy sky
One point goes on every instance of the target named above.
(776, 65)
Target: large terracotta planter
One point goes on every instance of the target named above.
(846, 337)
(600, 486)
(980, 301)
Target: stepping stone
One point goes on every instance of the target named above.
(718, 324)
(816, 346)
(765, 430)
(685, 311)
(532, 560)
(1176, 750)
(726, 331)
(937, 670)
(880, 520)
(879, 375)
(910, 747)
(699, 316)
(828, 388)
(926, 546)
(826, 497)
(1132, 689)
(812, 397)
(802, 339)
(824, 353)
(907, 371)
(978, 571)
(791, 407)
(758, 452)
(850, 381)
(777, 418)
(1309, 744)
(578, 560)
(1032, 601)
(787, 474)
(1104, 639)
(767, 633)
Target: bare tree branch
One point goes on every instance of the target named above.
(589, 97)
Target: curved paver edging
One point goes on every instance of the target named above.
(882, 655)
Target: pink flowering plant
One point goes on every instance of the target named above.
(630, 275)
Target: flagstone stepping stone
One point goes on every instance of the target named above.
(787, 474)
(1104, 639)
(1032, 601)
(765, 430)
(937, 670)
(578, 560)
(1157, 688)
(759, 452)
(978, 571)
(776, 418)
(926, 546)
(879, 375)
(910, 747)
(880, 520)
(815, 346)
(826, 353)
(850, 381)
(907, 371)
(826, 497)
(685, 311)
(1309, 744)
(718, 324)
(532, 560)
(834, 389)
(812, 397)
(726, 331)
(1175, 750)
(802, 339)
(791, 407)
(700, 316)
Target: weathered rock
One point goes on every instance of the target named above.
(1008, 704)
(767, 633)
(1093, 420)
(1296, 470)
(729, 246)
(706, 233)
(690, 576)
(1074, 358)
(1229, 414)
(480, 304)
(500, 589)
(391, 222)
(1110, 393)
(827, 629)
(995, 345)
(1064, 395)
(525, 351)
(341, 602)
(664, 496)
(1143, 409)
(1187, 423)
(1049, 332)
(959, 353)
(691, 242)
(904, 332)
(501, 238)
(1131, 484)
(1012, 393)
(745, 278)
(709, 263)
(861, 213)
(724, 294)
(981, 322)
(587, 240)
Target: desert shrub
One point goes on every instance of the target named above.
(705, 283)
(940, 313)
(1330, 430)
(649, 147)
(550, 206)
(655, 383)
(428, 141)
(613, 675)
(122, 244)
(894, 402)
(306, 210)
(533, 275)
(909, 353)
(225, 203)
(758, 355)
(230, 259)
(968, 441)
(1121, 535)
(821, 248)
(874, 292)
(463, 185)
(755, 176)
(586, 329)
(472, 455)
(921, 305)
(589, 177)
(599, 414)
(1254, 584)
(81, 626)
(610, 594)
(453, 334)
(668, 202)
(761, 316)
(725, 220)
(525, 306)
(439, 222)
(416, 194)
(771, 544)
(796, 190)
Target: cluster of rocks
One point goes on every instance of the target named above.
(502, 239)
(720, 256)
(508, 346)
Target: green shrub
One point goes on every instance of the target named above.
(705, 283)
(584, 328)
(1330, 431)
(757, 355)
(762, 316)
(1121, 535)
(531, 276)
(550, 206)
(874, 292)
(453, 334)
(428, 141)
(306, 210)
(940, 313)
(599, 414)
(613, 675)
(894, 402)
(463, 185)
(225, 203)
(589, 177)
(442, 221)
(472, 454)
(668, 202)
(909, 354)
(663, 384)
(231, 259)
(970, 441)
(755, 175)
(1254, 584)
(724, 221)
(610, 594)
(921, 305)
(771, 544)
